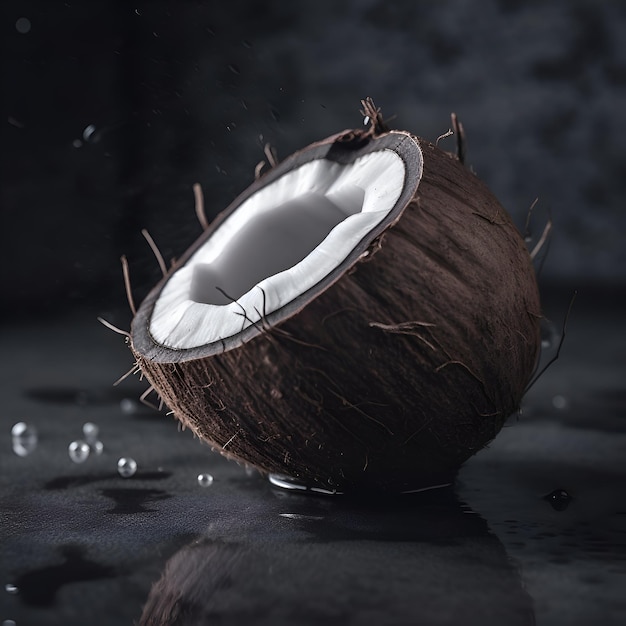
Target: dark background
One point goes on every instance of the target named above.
(114, 109)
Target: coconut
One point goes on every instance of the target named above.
(364, 316)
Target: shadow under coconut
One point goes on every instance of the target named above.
(418, 559)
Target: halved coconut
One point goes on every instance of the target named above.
(365, 315)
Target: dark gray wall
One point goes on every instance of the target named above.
(180, 92)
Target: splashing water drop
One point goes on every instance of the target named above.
(559, 499)
(292, 484)
(126, 467)
(23, 25)
(205, 480)
(91, 431)
(128, 406)
(97, 447)
(89, 134)
(78, 451)
(23, 438)
(11, 588)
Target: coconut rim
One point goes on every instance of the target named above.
(343, 148)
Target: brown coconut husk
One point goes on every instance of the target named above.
(397, 367)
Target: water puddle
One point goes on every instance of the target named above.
(40, 587)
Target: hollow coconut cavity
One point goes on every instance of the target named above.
(365, 315)
(285, 239)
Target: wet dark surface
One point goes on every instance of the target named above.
(533, 531)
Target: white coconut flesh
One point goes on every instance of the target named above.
(280, 242)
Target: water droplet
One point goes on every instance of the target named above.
(77, 143)
(11, 588)
(126, 467)
(97, 447)
(205, 480)
(91, 431)
(23, 438)
(559, 499)
(234, 69)
(89, 134)
(292, 484)
(78, 451)
(9, 622)
(23, 25)
(129, 406)
(560, 402)
(366, 120)
(137, 11)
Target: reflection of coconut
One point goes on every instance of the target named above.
(413, 565)
(365, 314)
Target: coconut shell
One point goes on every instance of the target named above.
(403, 364)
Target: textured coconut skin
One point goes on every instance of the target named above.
(394, 374)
